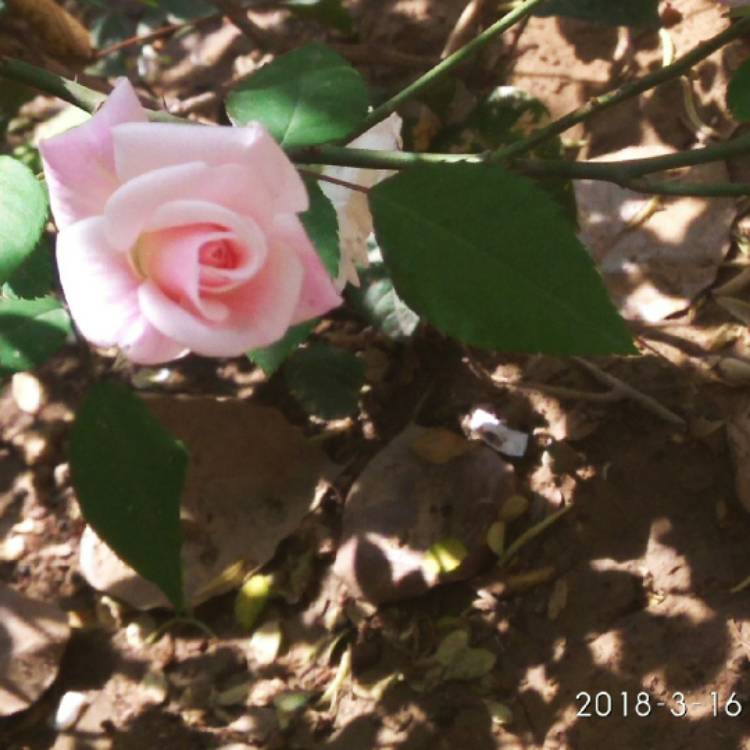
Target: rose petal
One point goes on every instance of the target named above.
(99, 283)
(318, 294)
(244, 229)
(140, 149)
(132, 209)
(79, 165)
(171, 259)
(260, 311)
(145, 345)
(352, 208)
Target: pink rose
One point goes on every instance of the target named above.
(178, 238)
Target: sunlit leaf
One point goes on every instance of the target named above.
(487, 257)
(306, 97)
(23, 214)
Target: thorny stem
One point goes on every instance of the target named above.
(627, 91)
(38, 78)
(333, 180)
(343, 156)
(446, 66)
(139, 40)
(80, 96)
(630, 173)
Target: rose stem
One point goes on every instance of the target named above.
(626, 173)
(627, 91)
(447, 65)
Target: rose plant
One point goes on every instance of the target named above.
(174, 237)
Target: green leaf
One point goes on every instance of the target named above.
(305, 97)
(507, 115)
(12, 96)
(329, 12)
(107, 29)
(326, 381)
(251, 600)
(738, 93)
(270, 358)
(35, 277)
(31, 331)
(378, 301)
(610, 12)
(322, 226)
(128, 473)
(487, 257)
(23, 214)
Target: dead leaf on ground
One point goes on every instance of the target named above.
(402, 506)
(33, 636)
(439, 446)
(655, 264)
(252, 478)
(462, 662)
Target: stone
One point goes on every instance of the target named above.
(33, 636)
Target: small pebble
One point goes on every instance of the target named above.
(265, 643)
(69, 710)
(61, 475)
(12, 549)
(28, 526)
(138, 631)
(28, 392)
(110, 613)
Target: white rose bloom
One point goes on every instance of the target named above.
(352, 209)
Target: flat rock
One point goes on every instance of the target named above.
(33, 636)
(251, 480)
(409, 499)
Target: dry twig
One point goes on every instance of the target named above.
(505, 586)
(238, 16)
(333, 180)
(617, 385)
(618, 389)
(152, 36)
(531, 534)
(464, 26)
